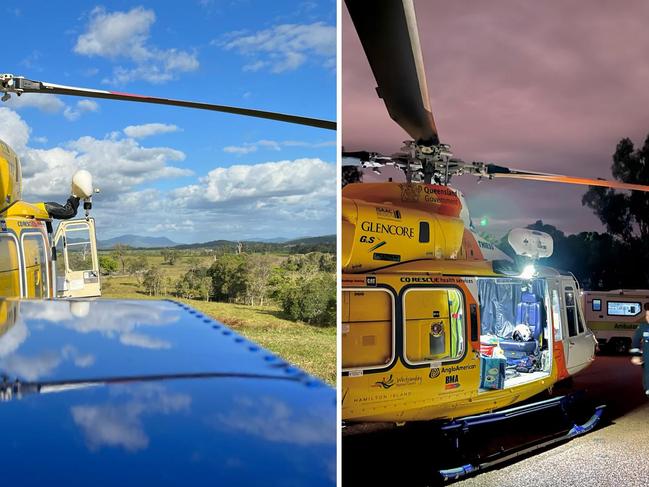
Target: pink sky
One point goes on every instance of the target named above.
(547, 86)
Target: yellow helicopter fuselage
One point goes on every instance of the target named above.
(27, 266)
(413, 330)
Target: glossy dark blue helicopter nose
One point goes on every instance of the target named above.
(152, 392)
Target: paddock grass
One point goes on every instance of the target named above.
(311, 348)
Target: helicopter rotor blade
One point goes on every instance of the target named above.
(9, 84)
(503, 172)
(388, 32)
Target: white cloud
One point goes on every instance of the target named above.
(125, 36)
(259, 181)
(120, 424)
(13, 129)
(274, 421)
(82, 106)
(110, 426)
(52, 104)
(248, 147)
(14, 337)
(45, 103)
(287, 198)
(285, 47)
(149, 129)
(117, 165)
(31, 367)
(116, 34)
(143, 341)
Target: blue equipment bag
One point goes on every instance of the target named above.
(492, 373)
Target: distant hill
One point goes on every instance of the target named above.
(326, 243)
(325, 239)
(136, 241)
(270, 240)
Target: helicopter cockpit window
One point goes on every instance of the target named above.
(367, 328)
(36, 263)
(434, 325)
(9, 267)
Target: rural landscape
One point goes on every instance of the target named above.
(281, 295)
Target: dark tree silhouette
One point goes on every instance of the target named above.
(625, 214)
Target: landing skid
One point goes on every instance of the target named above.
(559, 411)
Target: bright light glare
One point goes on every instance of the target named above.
(528, 272)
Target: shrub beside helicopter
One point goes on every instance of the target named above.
(437, 323)
(128, 391)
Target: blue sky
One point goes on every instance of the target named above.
(186, 174)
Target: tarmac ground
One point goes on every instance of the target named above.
(615, 453)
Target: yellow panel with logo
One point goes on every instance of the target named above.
(377, 236)
(366, 328)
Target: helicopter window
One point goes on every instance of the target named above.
(9, 267)
(556, 314)
(78, 247)
(571, 312)
(434, 325)
(36, 264)
(367, 328)
(619, 308)
(424, 232)
(60, 260)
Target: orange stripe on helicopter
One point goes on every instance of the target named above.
(424, 197)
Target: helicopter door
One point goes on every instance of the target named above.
(434, 325)
(77, 265)
(579, 338)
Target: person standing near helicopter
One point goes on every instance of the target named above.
(639, 343)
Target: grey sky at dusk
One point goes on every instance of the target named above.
(547, 86)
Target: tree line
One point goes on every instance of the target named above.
(303, 285)
(619, 257)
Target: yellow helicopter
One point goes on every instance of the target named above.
(28, 247)
(35, 260)
(437, 323)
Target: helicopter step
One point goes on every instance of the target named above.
(521, 431)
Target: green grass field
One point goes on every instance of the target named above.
(309, 347)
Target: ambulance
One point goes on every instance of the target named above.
(613, 316)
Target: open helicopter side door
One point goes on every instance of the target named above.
(580, 340)
(77, 264)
